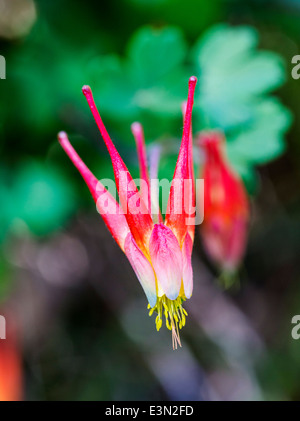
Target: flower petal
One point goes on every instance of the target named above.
(142, 269)
(178, 205)
(166, 259)
(137, 215)
(187, 270)
(107, 206)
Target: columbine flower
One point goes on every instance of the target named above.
(10, 367)
(226, 206)
(159, 251)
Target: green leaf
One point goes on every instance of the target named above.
(222, 44)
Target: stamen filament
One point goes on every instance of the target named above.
(174, 316)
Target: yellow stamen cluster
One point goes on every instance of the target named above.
(175, 315)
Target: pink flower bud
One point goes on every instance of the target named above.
(226, 206)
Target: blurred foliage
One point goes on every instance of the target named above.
(148, 84)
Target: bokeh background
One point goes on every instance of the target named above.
(73, 305)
